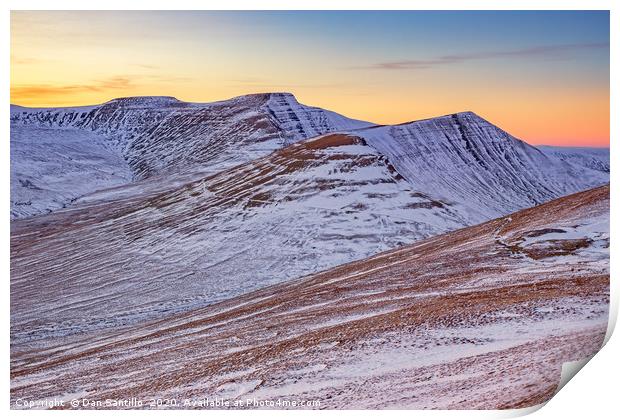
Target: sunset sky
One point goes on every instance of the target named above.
(542, 76)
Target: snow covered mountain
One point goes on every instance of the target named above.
(462, 158)
(162, 134)
(158, 136)
(282, 207)
(142, 224)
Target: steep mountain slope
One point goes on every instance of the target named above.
(588, 157)
(51, 167)
(307, 207)
(461, 158)
(165, 136)
(481, 317)
(465, 159)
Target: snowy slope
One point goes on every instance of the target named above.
(305, 208)
(589, 157)
(51, 167)
(479, 318)
(462, 158)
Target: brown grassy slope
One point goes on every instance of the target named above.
(466, 319)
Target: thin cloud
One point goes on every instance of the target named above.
(545, 51)
(147, 66)
(166, 78)
(118, 82)
(110, 85)
(44, 90)
(255, 83)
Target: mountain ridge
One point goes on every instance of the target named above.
(161, 137)
(163, 99)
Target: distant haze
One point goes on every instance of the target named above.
(543, 76)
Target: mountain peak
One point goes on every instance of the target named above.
(471, 119)
(262, 97)
(467, 114)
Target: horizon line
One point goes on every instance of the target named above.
(531, 142)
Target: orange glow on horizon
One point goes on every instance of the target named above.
(61, 59)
